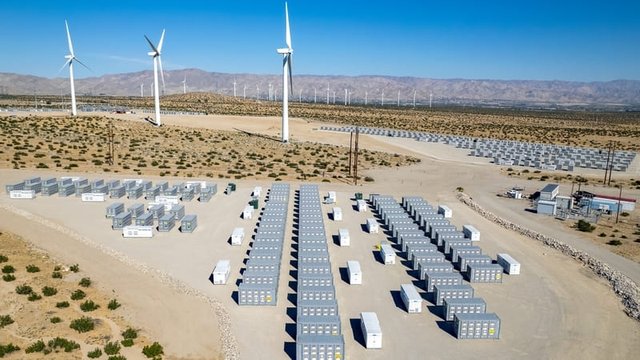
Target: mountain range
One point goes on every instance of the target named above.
(360, 89)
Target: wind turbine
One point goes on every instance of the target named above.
(287, 81)
(157, 61)
(71, 58)
(142, 90)
(234, 87)
(184, 85)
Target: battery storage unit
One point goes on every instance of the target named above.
(441, 278)
(320, 347)
(166, 223)
(146, 219)
(237, 236)
(257, 294)
(470, 232)
(345, 239)
(441, 267)
(463, 306)
(442, 292)
(318, 325)
(372, 226)
(387, 254)
(477, 326)
(114, 209)
(465, 259)
(121, 220)
(484, 273)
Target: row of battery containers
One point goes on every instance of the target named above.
(99, 190)
(136, 222)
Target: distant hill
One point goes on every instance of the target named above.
(516, 93)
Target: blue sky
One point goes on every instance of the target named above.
(538, 40)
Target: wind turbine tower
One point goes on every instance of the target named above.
(430, 98)
(234, 87)
(71, 58)
(287, 81)
(398, 98)
(184, 85)
(345, 97)
(315, 95)
(366, 95)
(414, 98)
(142, 90)
(157, 62)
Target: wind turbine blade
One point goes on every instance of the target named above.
(161, 71)
(287, 29)
(151, 44)
(81, 63)
(161, 41)
(65, 65)
(69, 38)
(289, 58)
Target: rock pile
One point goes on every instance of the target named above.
(626, 289)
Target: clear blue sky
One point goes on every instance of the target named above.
(543, 40)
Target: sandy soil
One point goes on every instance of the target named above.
(556, 309)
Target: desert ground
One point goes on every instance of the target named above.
(555, 309)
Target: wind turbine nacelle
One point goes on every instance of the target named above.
(284, 51)
(152, 53)
(68, 57)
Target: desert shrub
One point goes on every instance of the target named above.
(62, 304)
(23, 289)
(57, 268)
(112, 348)
(8, 269)
(602, 235)
(8, 277)
(113, 304)
(624, 213)
(614, 242)
(32, 268)
(82, 325)
(5, 320)
(56, 275)
(36, 347)
(67, 345)
(49, 291)
(34, 297)
(127, 342)
(89, 305)
(78, 295)
(85, 282)
(460, 189)
(3, 258)
(368, 179)
(117, 357)
(7, 349)
(55, 320)
(584, 226)
(74, 268)
(153, 351)
(130, 333)
(95, 353)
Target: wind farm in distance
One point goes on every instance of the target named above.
(235, 204)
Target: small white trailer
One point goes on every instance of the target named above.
(354, 272)
(470, 232)
(345, 239)
(256, 191)
(371, 330)
(337, 214)
(387, 253)
(331, 198)
(247, 213)
(361, 205)
(133, 231)
(445, 211)
(509, 264)
(221, 272)
(372, 226)
(93, 197)
(22, 194)
(411, 299)
(237, 236)
(167, 199)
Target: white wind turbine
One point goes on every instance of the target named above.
(287, 82)
(71, 58)
(157, 61)
(184, 85)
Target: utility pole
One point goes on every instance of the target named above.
(610, 163)
(110, 149)
(606, 168)
(350, 151)
(355, 171)
(619, 200)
